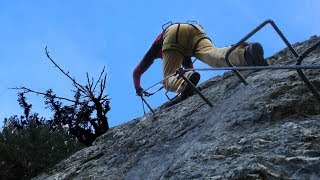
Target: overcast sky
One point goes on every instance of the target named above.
(83, 36)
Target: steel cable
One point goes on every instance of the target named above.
(258, 67)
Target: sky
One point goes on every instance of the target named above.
(84, 36)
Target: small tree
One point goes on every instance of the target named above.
(86, 117)
(28, 146)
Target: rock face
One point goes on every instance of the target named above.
(268, 129)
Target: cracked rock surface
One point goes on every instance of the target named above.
(268, 129)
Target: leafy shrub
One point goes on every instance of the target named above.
(28, 145)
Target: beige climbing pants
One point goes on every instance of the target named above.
(185, 36)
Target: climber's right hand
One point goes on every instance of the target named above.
(141, 92)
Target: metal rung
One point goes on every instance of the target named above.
(180, 71)
(284, 39)
(269, 21)
(302, 75)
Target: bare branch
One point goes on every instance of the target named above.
(79, 86)
(103, 85)
(104, 99)
(27, 90)
(90, 84)
(104, 81)
(101, 74)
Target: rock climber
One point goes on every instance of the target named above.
(177, 43)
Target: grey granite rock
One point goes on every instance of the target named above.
(268, 129)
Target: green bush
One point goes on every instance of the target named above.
(24, 153)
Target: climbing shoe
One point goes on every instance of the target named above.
(189, 91)
(253, 55)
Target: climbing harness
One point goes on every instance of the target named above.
(175, 45)
(236, 69)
